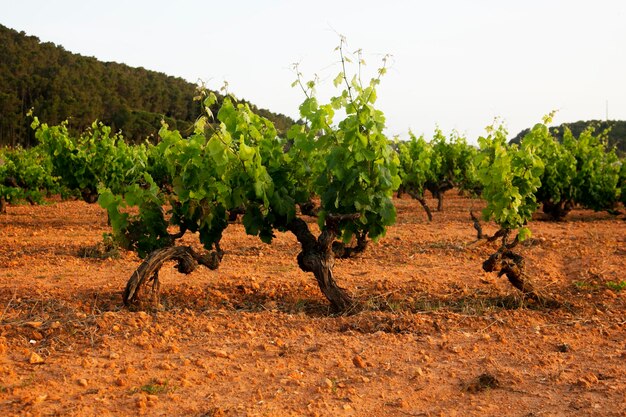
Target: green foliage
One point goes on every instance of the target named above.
(441, 161)
(155, 387)
(451, 161)
(616, 286)
(437, 166)
(93, 159)
(101, 165)
(415, 162)
(556, 188)
(143, 230)
(240, 162)
(26, 175)
(464, 170)
(577, 171)
(510, 176)
(597, 170)
(352, 164)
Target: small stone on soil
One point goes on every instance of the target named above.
(359, 362)
(35, 359)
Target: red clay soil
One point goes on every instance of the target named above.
(436, 336)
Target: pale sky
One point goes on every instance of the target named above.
(456, 64)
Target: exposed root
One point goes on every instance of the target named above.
(438, 189)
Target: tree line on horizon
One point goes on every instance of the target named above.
(60, 85)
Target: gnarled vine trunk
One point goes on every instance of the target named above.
(89, 195)
(420, 198)
(187, 260)
(317, 257)
(438, 190)
(559, 209)
(506, 262)
(439, 197)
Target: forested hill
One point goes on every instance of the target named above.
(59, 85)
(617, 132)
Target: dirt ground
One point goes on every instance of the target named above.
(436, 336)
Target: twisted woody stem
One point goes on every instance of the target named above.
(317, 257)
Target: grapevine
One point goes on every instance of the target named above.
(95, 158)
(240, 164)
(451, 165)
(415, 171)
(578, 171)
(25, 175)
(510, 177)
